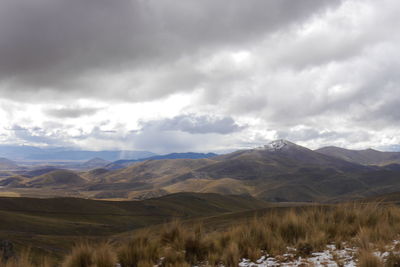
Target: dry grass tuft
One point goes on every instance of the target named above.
(105, 255)
(25, 259)
(140, 249)
(85, 254)
(307, 229)
(367, 259)
(231, 255)
(82, 255)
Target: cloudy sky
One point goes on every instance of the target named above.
(199, 75)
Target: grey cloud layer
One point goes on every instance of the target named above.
(58, 45)
(195, 124)
(71, 112)
(303, 70)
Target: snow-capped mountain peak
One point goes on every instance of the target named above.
(277, 145)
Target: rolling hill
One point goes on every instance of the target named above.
(56, 178)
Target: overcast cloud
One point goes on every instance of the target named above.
(199, 75)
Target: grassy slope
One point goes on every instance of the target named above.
(56, 178)
(364, 228)
(53, 224)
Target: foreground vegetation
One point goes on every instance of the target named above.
(52, 225)
(369, 227)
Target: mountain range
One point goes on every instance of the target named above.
(64, 153)
(279, 171)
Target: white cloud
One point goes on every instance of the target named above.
(321, 73)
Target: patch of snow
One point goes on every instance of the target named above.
(330, 257)
(327, 258)
(276, 145)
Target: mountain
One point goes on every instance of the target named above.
(279, 171)
(95, 163)
(365, 157)
(282, 156)
(65, 153)
(6, 164)
(189, 155)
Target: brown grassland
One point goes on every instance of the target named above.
(369, 227)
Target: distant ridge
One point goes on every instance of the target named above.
(6, 164)
(189, 155)
(365, 157)
(95, 163)
(64, 153)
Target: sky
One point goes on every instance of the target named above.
(174, 76)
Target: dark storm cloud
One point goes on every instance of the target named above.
(71, 112)
(55, 44)
(195, 124)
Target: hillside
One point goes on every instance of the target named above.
(38, 171)
(189, 229)
(53, 224)
(189, 155)
(56, 178)
(365, 157)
